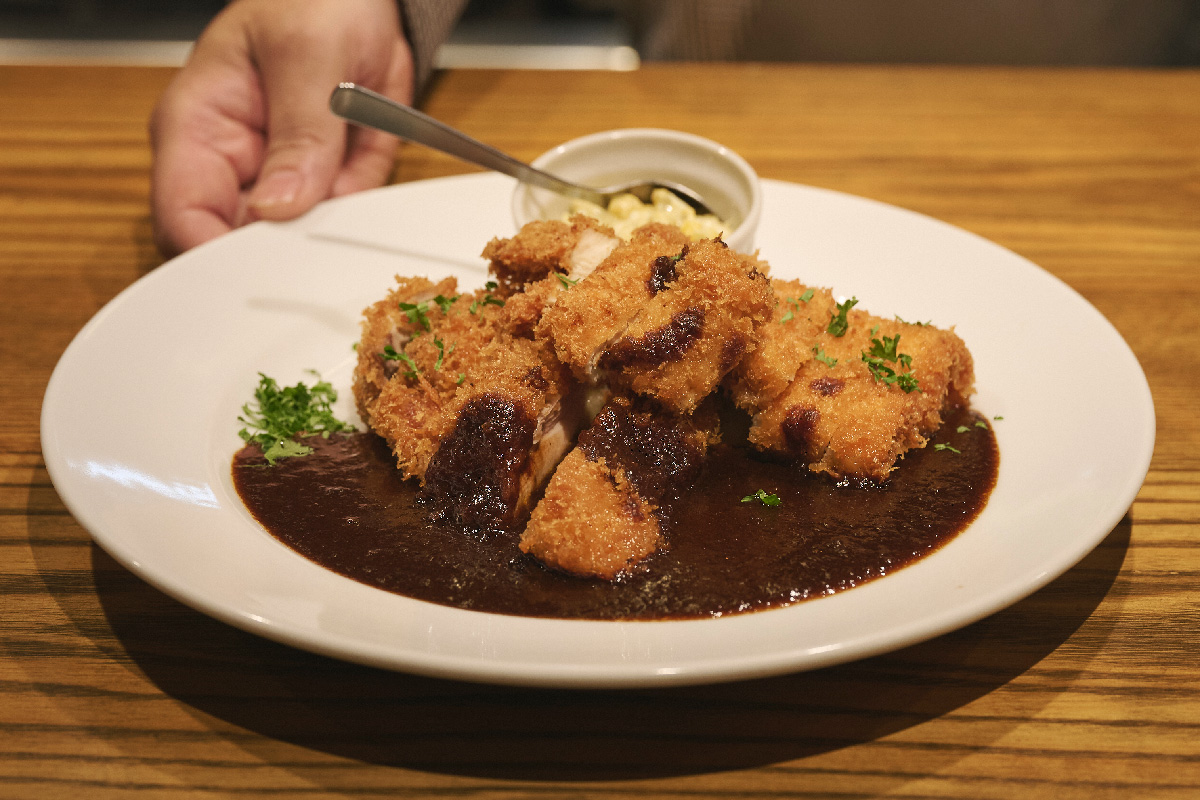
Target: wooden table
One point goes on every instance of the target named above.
(1089, 688)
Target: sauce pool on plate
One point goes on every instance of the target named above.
(346, 508)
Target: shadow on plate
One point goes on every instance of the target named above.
(399, 720)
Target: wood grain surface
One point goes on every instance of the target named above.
(1089, 688)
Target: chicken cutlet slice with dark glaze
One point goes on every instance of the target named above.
(601, 512)
(443, 342)
(867, 397)
(706, 306)
(599, 308)
(504, 432)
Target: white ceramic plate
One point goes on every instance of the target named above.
(139, 426)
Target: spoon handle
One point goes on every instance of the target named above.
(365, 107)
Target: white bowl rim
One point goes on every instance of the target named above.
(749, 220)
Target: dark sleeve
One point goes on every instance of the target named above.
(427, 24)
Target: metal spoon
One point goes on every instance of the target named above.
(371, 109)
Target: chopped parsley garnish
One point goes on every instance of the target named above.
(442, 351)
(997, 417)
(764, 498)
(882, 353)
(566, 282)
(278, 415)
(838, 323)
(961, 429)
(462, 376)
(906, 322)
(795, 304)
(947, 447)
(416, 314)
(819, 354)
(444, 303)
(390, 354)
(980, 424)
(786, 318)
(487, 300)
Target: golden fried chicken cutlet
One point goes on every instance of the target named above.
(482, 395)
(707, 305)
(801, 314)
(599, 308)
(385, 324)
(866, 397)
(572, 248)
(403, 382)
(600, 515)
(505, 430)
(474, 407)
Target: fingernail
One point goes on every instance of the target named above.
(277, 189)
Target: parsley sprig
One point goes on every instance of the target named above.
(884, 351)
(488, 299)
(278, 415)
(763, 497)
(418, 313)
(819, 354)
(838, 323)
(391, 354)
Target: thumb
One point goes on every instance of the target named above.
(305, 142)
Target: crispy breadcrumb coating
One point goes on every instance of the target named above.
(600, 516)
(801, 314)
(591, 522)
(599, 308)
(700, 322)
(840, 418)
(385, 324)
(545, 246)
(509, 424)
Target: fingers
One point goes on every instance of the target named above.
(206, 142)
(370, 154)
(370, 158)
(245, 131)
(301, 62)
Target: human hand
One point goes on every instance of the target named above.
(244, 130)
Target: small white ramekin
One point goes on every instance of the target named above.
(728, 185)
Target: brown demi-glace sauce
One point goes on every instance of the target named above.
(346, 508)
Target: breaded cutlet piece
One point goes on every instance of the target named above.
(444, 343)
(455, 344)
(385, 324)
(591, 522)
(843, 420)
(600, 514)
(541, 247)
(599, 308)
(706, 307)
(506, 429)
(784, 343)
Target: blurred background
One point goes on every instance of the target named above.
(621, 34)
